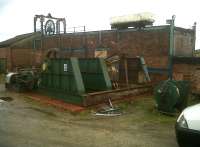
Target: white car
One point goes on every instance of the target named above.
(188, 127)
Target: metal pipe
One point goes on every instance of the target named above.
(58, 27)
(171, 47)
(99, 38)
(74, 29)
(194, 39)
(42, 21)
(126, 72)
(64, 23)
(35, 19)
(84, 28)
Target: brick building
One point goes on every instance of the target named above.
(153, 43)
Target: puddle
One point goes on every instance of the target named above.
(7, 99)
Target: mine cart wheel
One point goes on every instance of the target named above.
(49, 27)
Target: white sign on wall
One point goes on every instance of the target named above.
(65, 67)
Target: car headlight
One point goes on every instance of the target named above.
(182, 122)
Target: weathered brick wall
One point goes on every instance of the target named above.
(27, 57)
(156, 77)
(50, 42)
(188, 72)
(37, 57)
(6, 53)
(184, 40)
(152, 44)
(183, 71)
(3, 52)
(21, 58)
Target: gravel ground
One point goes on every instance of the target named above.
(27, 123)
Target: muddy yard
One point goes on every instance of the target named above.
(27, 123)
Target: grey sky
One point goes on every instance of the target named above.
(17, 15)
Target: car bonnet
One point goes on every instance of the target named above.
(192, 116)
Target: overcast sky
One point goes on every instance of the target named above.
(17, 15)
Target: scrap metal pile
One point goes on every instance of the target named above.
(79, 81)
(23, 79)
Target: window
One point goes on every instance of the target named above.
(37, 44)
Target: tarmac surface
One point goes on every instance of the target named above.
(28, 123)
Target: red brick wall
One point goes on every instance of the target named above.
(6, 53)
(188, 72)
(152, 44)
(3, 52)
(21, 57)
(26, 58)
(184, 41)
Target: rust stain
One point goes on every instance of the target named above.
(54, 102)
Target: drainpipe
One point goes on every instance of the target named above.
(171, 47)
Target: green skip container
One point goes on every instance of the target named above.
(72, 79)
(171, 95)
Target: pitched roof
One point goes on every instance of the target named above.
(18, 39)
